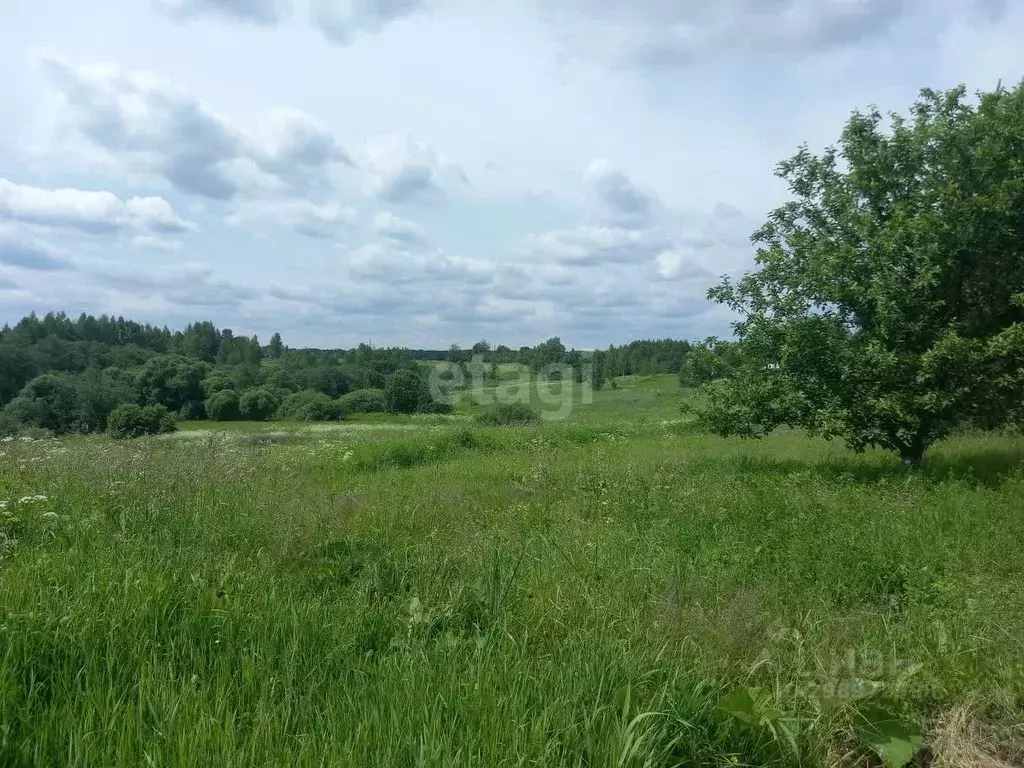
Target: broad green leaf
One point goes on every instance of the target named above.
(894, 740)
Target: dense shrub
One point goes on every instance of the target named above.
(68, 402)
(363, 401)
(403, 392)
(193, 410)
(428, 404)
(223, 406)
(132, 420)
(8, 424)
(508, 415)
(309, 405)
(259, 404)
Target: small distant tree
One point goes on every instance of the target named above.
(703, 364)
(597, 369)
(402, 392)
(887, 302)
(276, 346)
(253, 352)
(223, 406)
(482, 348)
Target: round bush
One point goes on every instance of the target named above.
(259, 404)
(192, 410)
(363, 401)
(223, 406)
(309, 405)
(508, 415)
(131, 420)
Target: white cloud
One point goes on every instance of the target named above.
(259, 11)
(619, 199)
(157, 243)
(664, 33)
(324, 221)
(399, 230)
(341, 20)
(437, 157)
(19, 249)
(153, 126)
(407, 171)
(95, 212)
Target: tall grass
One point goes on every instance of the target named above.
(569, 594)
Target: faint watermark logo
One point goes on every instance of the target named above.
(554, 389)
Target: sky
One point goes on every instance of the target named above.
(428, 172)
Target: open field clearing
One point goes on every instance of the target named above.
(588, 592)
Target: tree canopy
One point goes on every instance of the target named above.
(887, 298)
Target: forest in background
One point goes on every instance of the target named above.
(63, 375)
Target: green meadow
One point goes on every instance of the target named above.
(614, 588)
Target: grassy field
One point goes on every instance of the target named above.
(612, 589)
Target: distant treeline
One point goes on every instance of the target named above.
(68, 375)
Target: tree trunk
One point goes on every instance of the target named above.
(911, 455)
(911, 459)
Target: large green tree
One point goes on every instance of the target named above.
(887, 299)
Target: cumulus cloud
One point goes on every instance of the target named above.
(341, 20)
(394, 263)
(619, 199)
(157, 128)
(668, 33)
(259, 11)
(18, 249)
(324, 221)
(594, 246)
(89, 211)
(407, 171)
(185, 285)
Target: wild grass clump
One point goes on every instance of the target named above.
(508, 415)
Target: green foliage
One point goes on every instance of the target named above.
(309, 405)
(223, 406)
(171, 381)
(882, 309)
(402, 392)
(364, 401)
(192, 410)
(276, 346)
(259, 404)
(9, 425)
(130, 420)
(63, 403)
(49, 402)
(891, 738)
(508, 415)
(705, 362)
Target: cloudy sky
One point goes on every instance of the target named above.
(422, 172)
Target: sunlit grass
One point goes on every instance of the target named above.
(442, 594)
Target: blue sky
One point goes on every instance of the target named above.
(422, 172)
